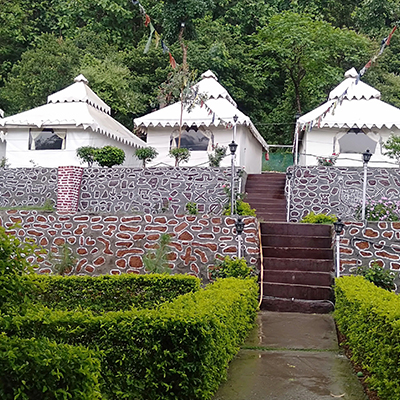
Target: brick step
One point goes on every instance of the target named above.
(296, 241)
(271, 217)
(296, 305)
(264, 199)
(297, 229)
(299, 252)
(265, 187)
(304, 292)
(270, 209)
(298, 264)
(299, 277)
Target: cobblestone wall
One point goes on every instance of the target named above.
(337, 190)
(126, 190)
(27, 186)
(377, 241)
(115, 244)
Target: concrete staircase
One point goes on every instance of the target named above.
(297, 258)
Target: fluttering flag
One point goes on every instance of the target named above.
(164, 47)
(172, 61)
(147, 21)
(390, 36)
(158, 37)
(147, 47)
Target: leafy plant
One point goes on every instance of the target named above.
(216, 158)
(393, 148)
(4, 164)
(232, 268)
(109, 156)
(156, 261)
(379, 276)
(313, 218)
(241, 208)
(327, 161)
(191, 208)
(64, 261)
(48, 205)
(180, 154)
(86, 154)
(381, 210)
(146, 154)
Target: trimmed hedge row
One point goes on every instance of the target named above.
(110, 293)
(41, 369)
(179, 351)
(369, 317)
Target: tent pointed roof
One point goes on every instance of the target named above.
(1, 113)
(218, 109)
(76, 105)
(353, 104)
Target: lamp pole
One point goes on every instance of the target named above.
(366, 157)
(232, 147)
(338, 225)
(235, 119)
(239, 225)
(289, 175)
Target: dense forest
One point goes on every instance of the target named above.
(277, 58)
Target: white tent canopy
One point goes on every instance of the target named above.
(76, 105)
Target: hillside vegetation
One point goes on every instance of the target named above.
(276, 58)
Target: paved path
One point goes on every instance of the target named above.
(291, 356)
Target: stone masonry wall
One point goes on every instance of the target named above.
(68, 188)
(27, 186)
(115, 244)
(127, 190)
(333, 190)
(363, 244)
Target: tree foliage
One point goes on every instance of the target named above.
(108, 156)
(87, 154)
(146, 154)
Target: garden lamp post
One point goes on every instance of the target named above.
(239, 225)
(289, 175)
(235, 119)
(232, 147)
(366, 157)
(339, 225)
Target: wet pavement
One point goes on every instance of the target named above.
(291, 356)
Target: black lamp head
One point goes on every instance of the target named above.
(239, 225)
(289, 174)
(339, 225)
(367, 156)
(235, 118)
(232, 147)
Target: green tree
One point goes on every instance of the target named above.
(87, 154)
(109, 156)
(393, 148)
(146, 154)
(181, 155)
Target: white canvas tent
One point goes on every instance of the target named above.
(50, 134)
(203, 127)
(357, 120)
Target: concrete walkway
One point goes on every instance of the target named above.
(291, 356)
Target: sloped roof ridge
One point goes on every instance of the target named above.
(79, 91)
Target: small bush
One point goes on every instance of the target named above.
(156, 261)
(180, 154)
(379, 276)
(380, 210)
(146, 154)
(86, 154)
(191, 208)
(109, 156)
(232, 268)
(242, 208)
(216, 158)
(369, 317)
(40, 369)
(313, 218)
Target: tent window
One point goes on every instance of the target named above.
(47, 139)
(193, 139)
(356, 141)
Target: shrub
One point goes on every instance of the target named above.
(378, 276)
(216, 158)
(64, 261)
(228, 268)
(109, 156)
(191, 208)
(327, 161)
(242, 208)
(86, 154)
(179, 351)
(393, 147)
(181, 155)
(369, 317)
(146, 154)
(110, 293)
(380, 210)
(313, 218)
(156, 261)
(41, 369)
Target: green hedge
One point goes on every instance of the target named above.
(41, 369)
(179, 351)
(110, 293)
(369, 317)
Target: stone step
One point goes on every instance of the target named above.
(269, 209)
(291, 228)
(303, 292)
(279, 304)
(298, 264)
(271, 217)
(296, 241)
(299, 277)
(298, 252)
